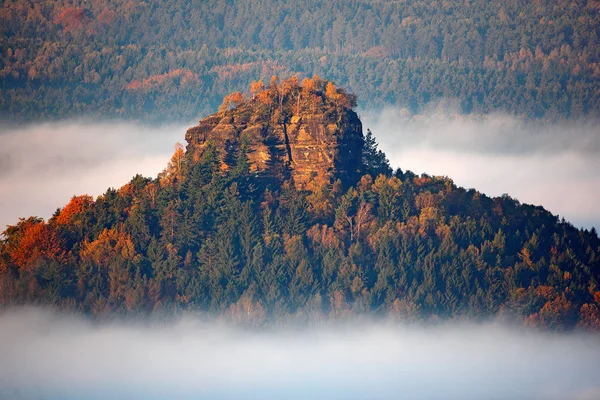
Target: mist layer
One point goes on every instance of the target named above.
(42, 166)
(553, 165)
(64, 357)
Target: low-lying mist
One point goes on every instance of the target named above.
(550, 164)
(42, 166)
(554, 165)
(45, 355)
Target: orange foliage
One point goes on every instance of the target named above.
(77, 205)
(331, 92)
(325, 236)
(425, 200)
(185, 76)
(247, 311)
(126, 190)
(106, 17)
(545, 291)
(427, 219)
(422, 181)
(231, 101)
(320, 199)
(525, 256)
(597, 297)
(339, 306)
(358, 286)
(308, 86)
(386, 231)
(72, 18)
(174, 169)
(589, 317)
(265, 98)
(365, 184)
(110, 244)
(227, 72)
(403, 309)
(151, 190)
(34, 239)
(553, 313)
(256, 87)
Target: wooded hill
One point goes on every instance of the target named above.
(216, 234)
(177, 59)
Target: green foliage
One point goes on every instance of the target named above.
(416, 247)
(375, 160)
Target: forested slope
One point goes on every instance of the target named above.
(177, 59)
(213, 233)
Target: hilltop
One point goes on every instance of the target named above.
(281, 207)
(307, 132)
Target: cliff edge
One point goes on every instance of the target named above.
(304, 131)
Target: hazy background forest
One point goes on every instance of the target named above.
(165, 60)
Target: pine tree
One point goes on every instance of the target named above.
(374, 160)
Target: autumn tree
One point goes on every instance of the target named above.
(256, 87)
(30, 240)
(175, 168)
(332, 94)
(75, 206)
(231, 101)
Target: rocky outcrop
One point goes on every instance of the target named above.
(307, 132)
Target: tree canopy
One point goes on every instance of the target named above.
(177, 59)
(202, 238)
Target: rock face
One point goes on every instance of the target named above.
(307, 132)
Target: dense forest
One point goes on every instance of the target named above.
(255, 248)
(177, 59)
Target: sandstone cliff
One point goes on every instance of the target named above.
(307, 132)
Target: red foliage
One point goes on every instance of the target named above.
(32, 239)
(106, 17)
(72, 18)
(185, 77)
(77, 205)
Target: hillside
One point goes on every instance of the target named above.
(269, 214)
(165, 60)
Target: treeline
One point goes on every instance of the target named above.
(228, 243)
(177, 59)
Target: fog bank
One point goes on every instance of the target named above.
(44, 355)
(43, 165)
(553, 165)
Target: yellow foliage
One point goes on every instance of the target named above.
(110, 244)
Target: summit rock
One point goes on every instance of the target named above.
(305, 131)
